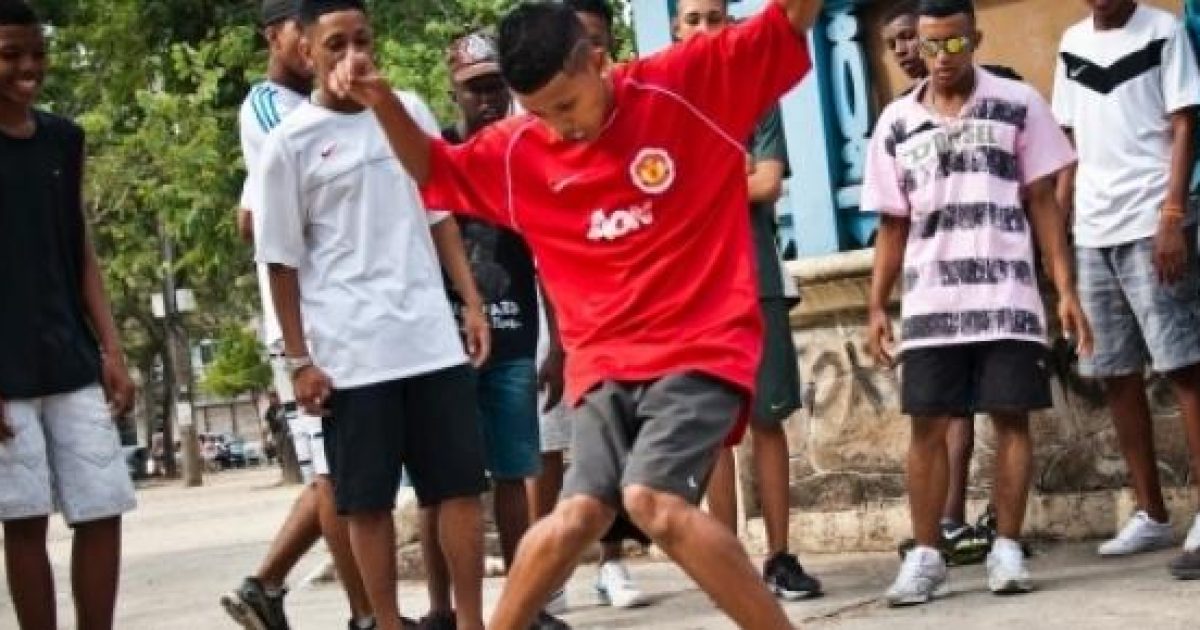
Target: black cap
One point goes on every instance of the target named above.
(279, 10)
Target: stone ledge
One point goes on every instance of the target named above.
(881, 526)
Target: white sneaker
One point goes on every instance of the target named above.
(615, 588)
(1006, 568)
(557, 605)
(1139, 535)
(1192, 542)
(922, 577)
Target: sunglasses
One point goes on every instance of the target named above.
(951, 46)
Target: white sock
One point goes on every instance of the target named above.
(1007, 545)
(365, 623)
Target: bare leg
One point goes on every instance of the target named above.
(25, 555)
(1131, 416)
(544, 490)
(512, 515)
(708, 552)
(96, 572)
(722, 490)
(299, 532)
(927, 477)
(1014, 465)
(960, 444)
(774, 490)
(1186, 383)
(437, 573)
(460, 527)
(337, 537)
(546, 556)
(373, 538)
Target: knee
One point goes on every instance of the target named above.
(929, 432)
(580, 519)
(651, 510)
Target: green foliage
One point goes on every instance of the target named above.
(239, 365)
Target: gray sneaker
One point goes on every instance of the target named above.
(252, 608)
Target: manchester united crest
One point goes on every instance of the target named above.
(653, 171)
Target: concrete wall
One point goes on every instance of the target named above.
(1020, 34)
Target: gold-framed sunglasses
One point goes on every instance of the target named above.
(951, 46)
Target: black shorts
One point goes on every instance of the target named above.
(777, 394)
(991, 377)
(426, 423)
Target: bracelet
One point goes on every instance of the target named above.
(1173, 210)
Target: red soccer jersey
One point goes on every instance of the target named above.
(641, 236)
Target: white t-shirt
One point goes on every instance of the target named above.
(265, 107)
(342, 211)
(1116, 90)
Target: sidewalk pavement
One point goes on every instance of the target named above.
(184, 548)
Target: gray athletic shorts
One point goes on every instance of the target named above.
(662, 434)
(1136, 319)
(65, 454)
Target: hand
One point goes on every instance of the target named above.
(1075, 324)
(118, 387)
(312, 388)
(550, 378)
(6, 432)
(356, 77)
(1170, 252)
(478, 333)
(751, 165)
(880, 341)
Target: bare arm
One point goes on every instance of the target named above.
(357, 77)
(766, 181)
(1065, 185)
(114, 375)
(550, 372)
(245, 225)
(1051, 234)
(453, 256)
(1183, 126)
(312, 385)
(889, 260)
(802, 13)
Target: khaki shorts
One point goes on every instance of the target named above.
(65, 455)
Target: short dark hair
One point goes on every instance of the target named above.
(599, 8)
(311, 10)
(17, 13)
(946, 8)
(537, 41)
(900, 8)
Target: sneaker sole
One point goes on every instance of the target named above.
(1186, 574)
(634, 602)
(793, 596)
(1151, 549)
(903, 602)
(241, 613)
(1011, 587)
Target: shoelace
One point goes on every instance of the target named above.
(1131, 528)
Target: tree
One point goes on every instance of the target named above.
(238, 365)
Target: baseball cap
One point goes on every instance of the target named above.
(279, 10)
(472, 56)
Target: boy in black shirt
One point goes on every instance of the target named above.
(60, 358)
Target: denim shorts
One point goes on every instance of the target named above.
(1136, 319)
(508, 414)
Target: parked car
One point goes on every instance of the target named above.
(254, 453)
(137, 460)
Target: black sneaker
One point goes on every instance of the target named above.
(405, 622)
(546, 621)
(787, 579)
(962, 544)
(254, 609)
(438, 621)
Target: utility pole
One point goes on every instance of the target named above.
(180, 387)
